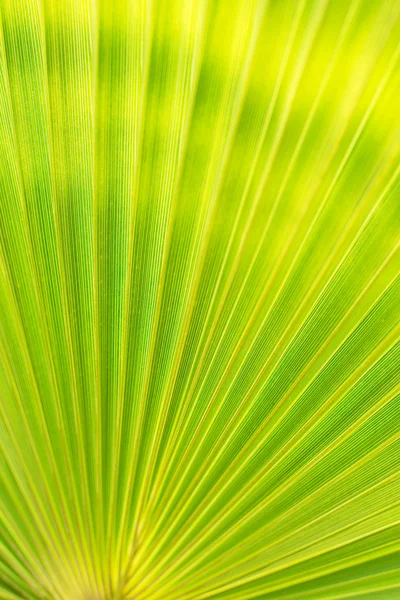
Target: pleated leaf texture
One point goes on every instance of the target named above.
(200, 299)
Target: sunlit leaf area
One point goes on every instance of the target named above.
(199, 299)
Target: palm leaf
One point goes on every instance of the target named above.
(199, 299)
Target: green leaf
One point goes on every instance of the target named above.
(199, 299)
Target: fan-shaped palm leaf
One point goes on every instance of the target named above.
(199, 299)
